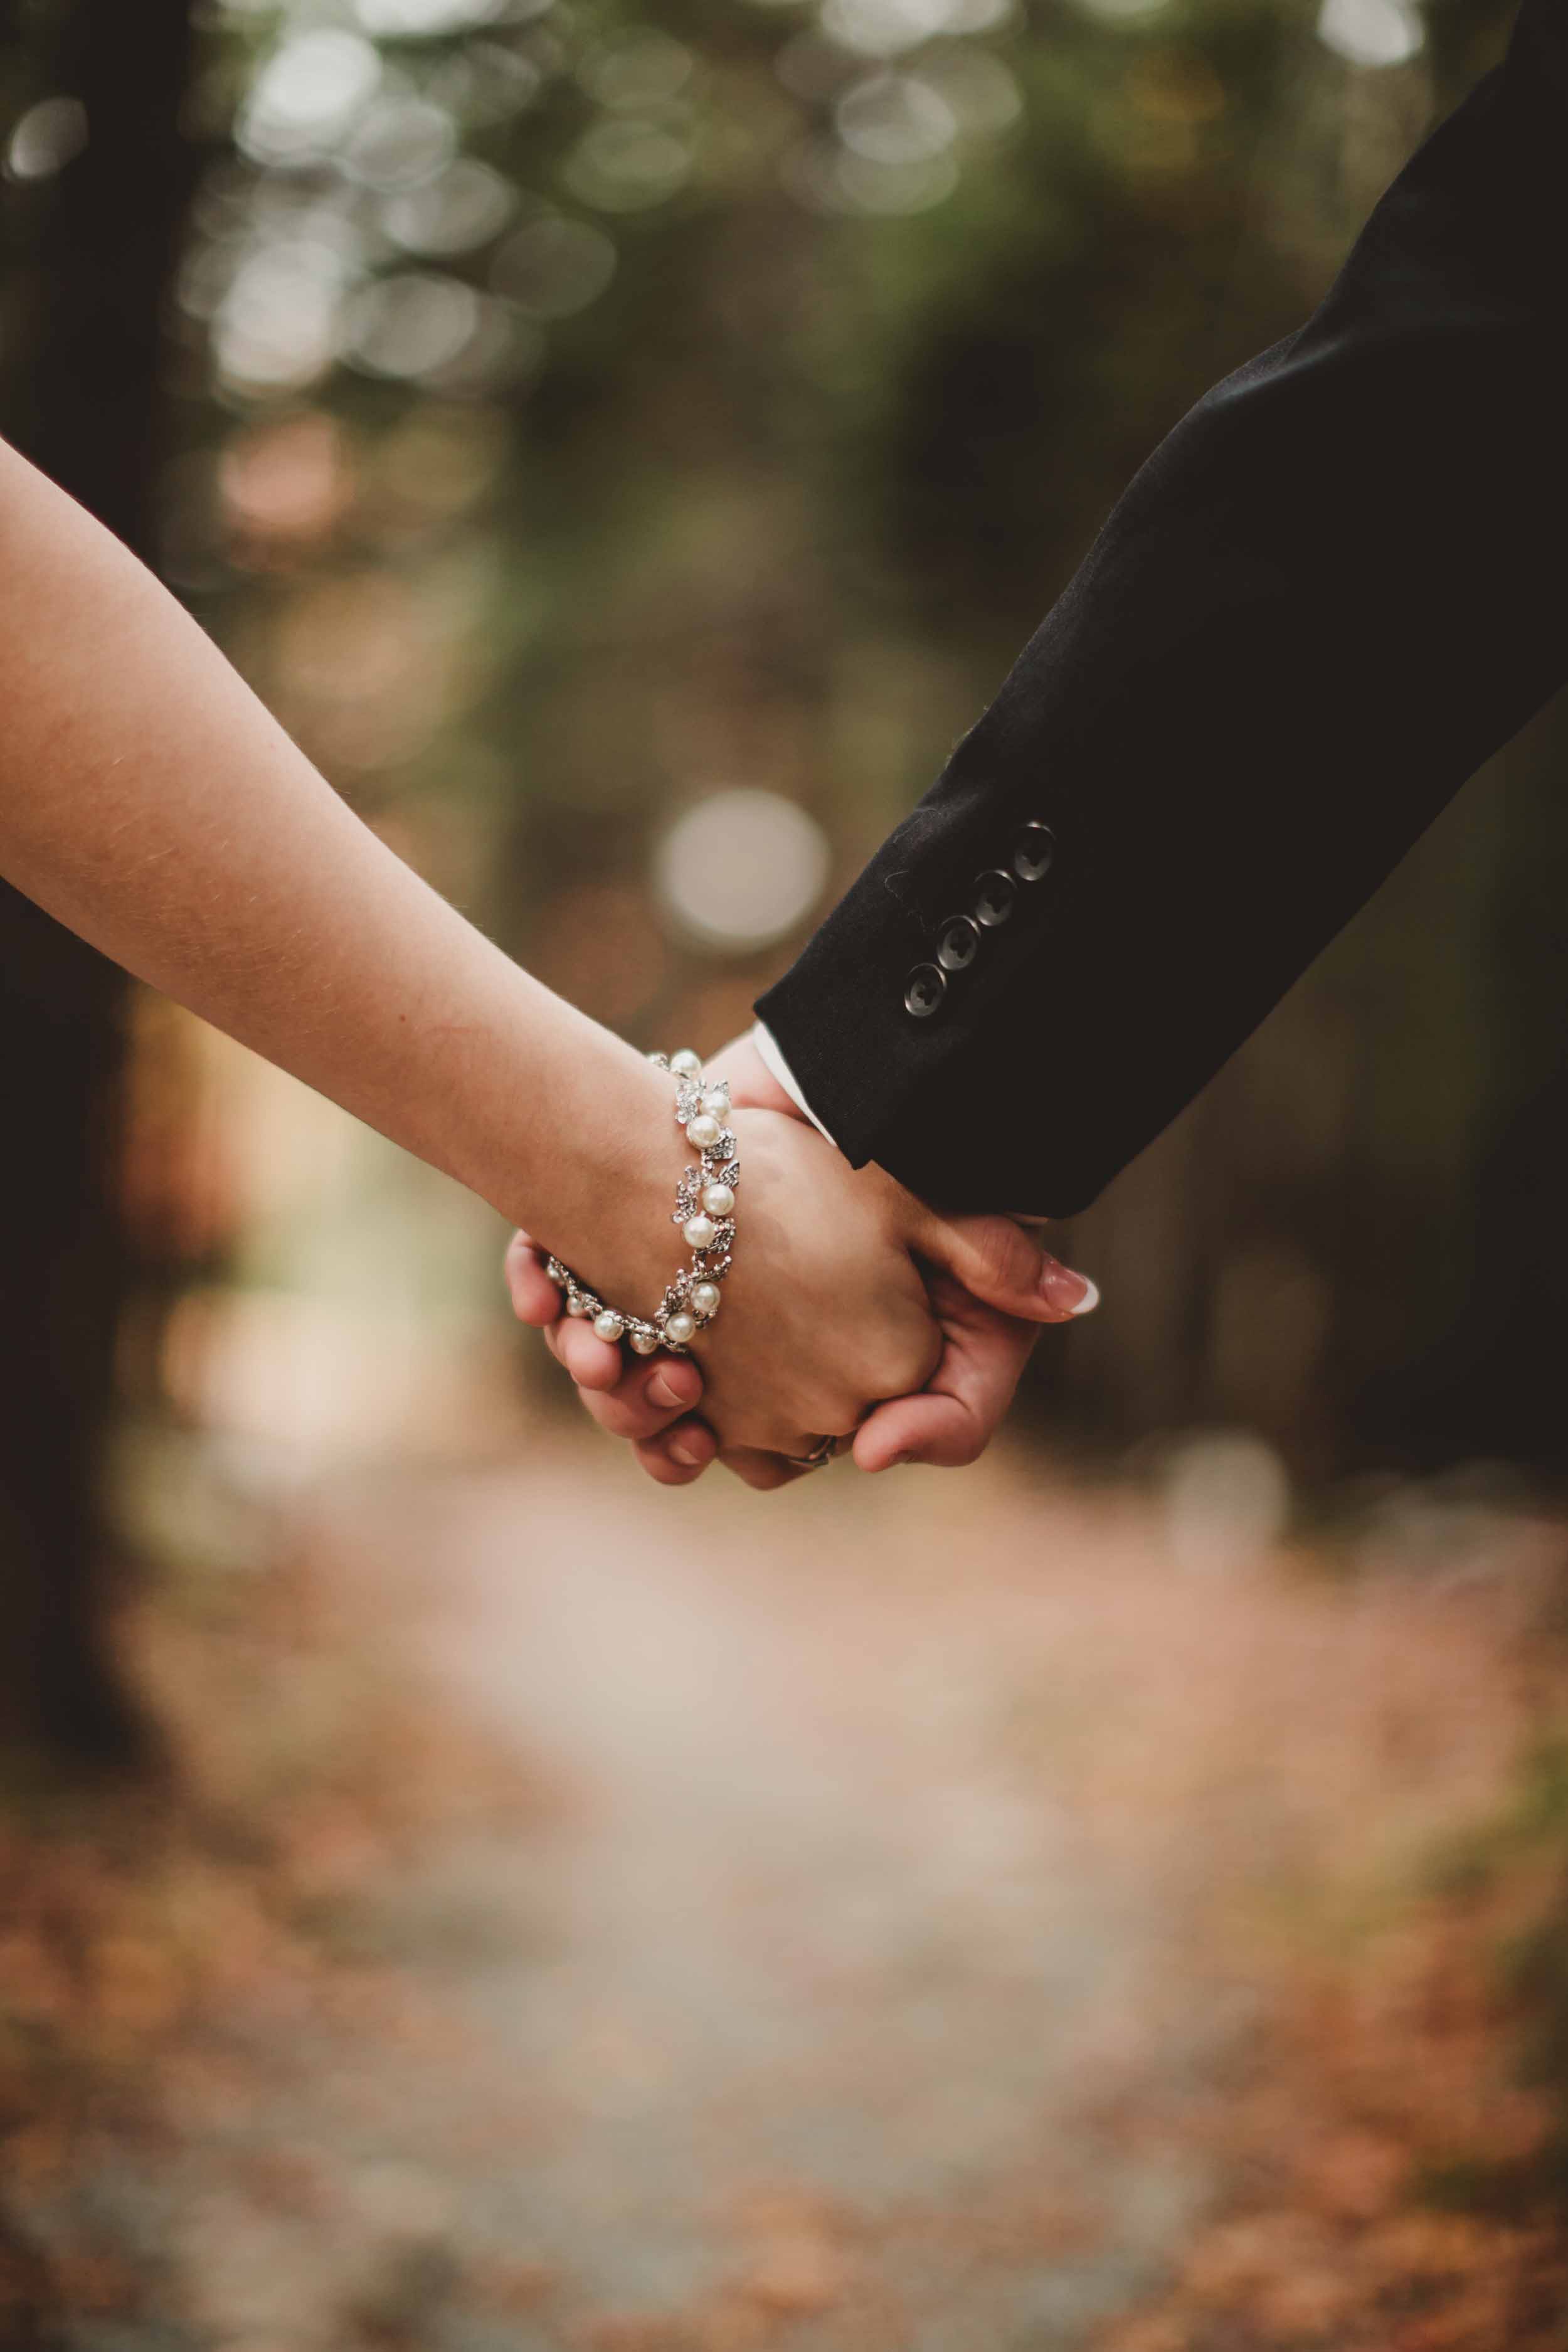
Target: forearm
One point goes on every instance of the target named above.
(149, 802)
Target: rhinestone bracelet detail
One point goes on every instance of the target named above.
(705, 1211)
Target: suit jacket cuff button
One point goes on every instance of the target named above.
(923, 991)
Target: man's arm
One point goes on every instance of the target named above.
(1334, 590)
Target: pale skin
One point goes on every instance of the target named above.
(149, 801)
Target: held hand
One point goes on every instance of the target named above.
(984, 1346)
(825, 1309)
(949, 1422)
(824, 1312)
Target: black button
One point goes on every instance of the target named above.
(994, 897)
(1037, 848)
(923, 991)
(958, 943)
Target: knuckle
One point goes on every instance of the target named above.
(898, 1370)
(836, 1416)
(656, 1461)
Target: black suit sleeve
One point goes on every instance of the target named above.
(1331, 593)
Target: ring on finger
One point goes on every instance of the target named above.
(818, 1457)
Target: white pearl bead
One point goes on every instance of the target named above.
(680, 1329)
(686, 1064)
(716, 1103)
(701, 1232)
(718, 1200)
(702, 1132)
(609, 1326)
(705, 1298)
(644, 1342)
(576, 1304)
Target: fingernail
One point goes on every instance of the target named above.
(661, 1390)
(1070, 1293)
(687, 1452)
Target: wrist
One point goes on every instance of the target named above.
(615, 1188)
(613, 1185)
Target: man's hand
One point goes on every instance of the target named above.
(989, 1285)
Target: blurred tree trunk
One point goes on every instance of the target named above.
(85, 412)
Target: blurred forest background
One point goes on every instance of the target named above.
(584, 420)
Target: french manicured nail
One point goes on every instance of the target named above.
(689, 1451)
(1068, 1293)
(662, 1390)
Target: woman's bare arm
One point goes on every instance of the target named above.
(150, 802)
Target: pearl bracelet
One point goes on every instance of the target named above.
(704, 1210)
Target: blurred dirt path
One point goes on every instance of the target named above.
(826, 1971)
(902, 1896)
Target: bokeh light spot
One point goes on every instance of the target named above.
(828, 178)
(742, 868)
(1371, 32)
(464, 208)
(306, 95)
(48, 137)
(913, 186)
(288, 481)
(895, 118)
(637, 72)
(275, 327)
(882, 28)
(411, 324)
(485, 83)
(623, 167)
(416, 19)
(400, 143)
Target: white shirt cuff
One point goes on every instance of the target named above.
(767, 1046)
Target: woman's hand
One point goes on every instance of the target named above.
(825, 1312)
